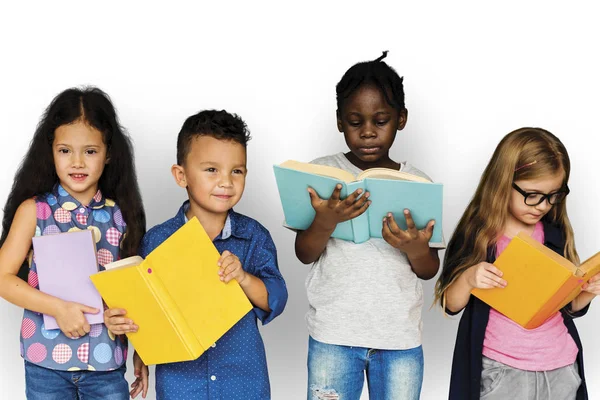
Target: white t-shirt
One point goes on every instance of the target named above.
(364, 295)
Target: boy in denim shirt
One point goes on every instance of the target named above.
(211, 166)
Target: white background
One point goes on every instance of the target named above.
(473, 72)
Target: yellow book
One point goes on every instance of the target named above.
(539, 281)
(175, 296)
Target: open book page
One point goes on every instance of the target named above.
(386, 173)
(126, 262)
(323, 170)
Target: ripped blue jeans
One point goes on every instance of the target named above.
(338, 372)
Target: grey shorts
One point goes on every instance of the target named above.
(501, 382)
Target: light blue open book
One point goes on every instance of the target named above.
(390, 191)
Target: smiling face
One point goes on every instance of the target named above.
(79, 159)
(214, 174)
(369, 125)
(524, 217)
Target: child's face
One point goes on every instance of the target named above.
(369, 123)
(214, 173)
(79, 158)
(526, 215)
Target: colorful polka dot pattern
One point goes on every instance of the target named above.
(235, 368)
(51, 333)
(98, 351)
(83, 353)
(62, 353)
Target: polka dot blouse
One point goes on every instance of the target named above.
(99, 350)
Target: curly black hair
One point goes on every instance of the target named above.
(218, 124)
(376, 73)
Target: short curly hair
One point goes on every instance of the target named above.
(218, 124)
(376, 73)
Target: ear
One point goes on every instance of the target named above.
(402, 118)
(339, 120)
(179, 174)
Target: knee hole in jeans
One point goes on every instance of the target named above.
(324, 394)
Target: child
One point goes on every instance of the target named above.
(211, 166)
(77, 174)
(523, 188)
(365, 299)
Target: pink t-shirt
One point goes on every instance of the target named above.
(544, 348)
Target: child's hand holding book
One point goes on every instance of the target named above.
(412, 241)
(116, 321)
(484, 276)
(71, 319)
(332, 211)
(230, 268)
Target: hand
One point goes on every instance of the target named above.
(71, 321)
(334, 210)
(412, 241)
(484, 276)
(231, 268)
(117, 323)
(593, 285)
(140, 371)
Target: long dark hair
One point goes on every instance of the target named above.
(37, 175)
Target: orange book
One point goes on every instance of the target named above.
(539, 281)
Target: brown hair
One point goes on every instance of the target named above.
(524, 154)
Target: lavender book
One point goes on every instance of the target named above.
(64, 264)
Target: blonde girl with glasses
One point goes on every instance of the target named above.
(523, 189)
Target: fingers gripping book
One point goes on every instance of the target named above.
(175, 296)
(540, 282)
(390, 191)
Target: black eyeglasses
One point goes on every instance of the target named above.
(535, 198)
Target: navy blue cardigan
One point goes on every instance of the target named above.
(465, 380)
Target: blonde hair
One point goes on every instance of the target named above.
(524, 154)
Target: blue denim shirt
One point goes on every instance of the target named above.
(235, 367)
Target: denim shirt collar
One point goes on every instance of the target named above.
(232, 227)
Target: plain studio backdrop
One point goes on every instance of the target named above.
(473, 72)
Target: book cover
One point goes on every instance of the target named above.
(423, 198)
(175, 296)
(539, 281)
(64, 264)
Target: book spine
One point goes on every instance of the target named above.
(170, 309)
(567, 292)
(360, 225)
(360, 228)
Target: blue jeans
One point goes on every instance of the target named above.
(49, 384)
(338, 372)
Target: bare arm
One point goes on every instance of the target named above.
(311, 243)
(14, 251)
(256, 291)
(426, 265)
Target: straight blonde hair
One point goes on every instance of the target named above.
(524, 154)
